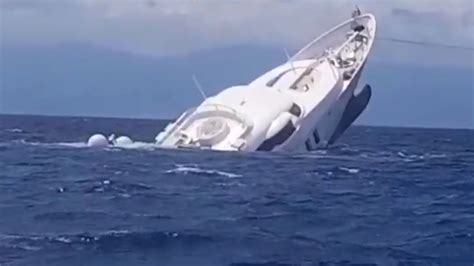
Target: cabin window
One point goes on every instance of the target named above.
(317, 139)
(308, 145)
(275, 79)
(279, 138)
(295, 110)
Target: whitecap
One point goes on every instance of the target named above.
(436, 156)
(17, 241)
(384, 156)
(229, 184)
(14, 130)
(63, 239)
(27, 247)
(116, 232)
(135, 145)
(349, 170)
(182, 169)
(52, 144)
(319, 152)
(401, 154)
(409, 157)
(71, 144)
(139, 146)
(9, 237)
(25, 142)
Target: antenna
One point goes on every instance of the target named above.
(423, 43)
(199, 87)
(356, 12)
(289, 60)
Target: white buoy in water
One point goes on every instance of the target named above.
(123, 141)
(97, 140)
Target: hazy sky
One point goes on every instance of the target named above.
(166, 27)
(157, 29)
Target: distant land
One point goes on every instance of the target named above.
(83, 80)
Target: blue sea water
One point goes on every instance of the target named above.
(380, 196)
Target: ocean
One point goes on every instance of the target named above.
(380, 196)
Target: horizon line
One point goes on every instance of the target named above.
(171, 119)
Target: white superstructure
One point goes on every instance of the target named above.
(304, 103)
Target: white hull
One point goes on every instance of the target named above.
(300, 105)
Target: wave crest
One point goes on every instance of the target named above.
(107, 241)
(185, 170)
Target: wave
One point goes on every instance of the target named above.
(349, 170)
(46, 144)
(420, 157)
(185, 170)
(341, 152)
(409, 157)
(116, 187)
(110, 240)
(136, 145)
(372, 156)
(70, 144)
(67, 215)
(268, 216)
(269, 263)
(333, 171)
(14, 130)
(436, 156)
(139, 145)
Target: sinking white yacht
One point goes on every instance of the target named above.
(305, 103)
